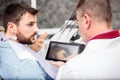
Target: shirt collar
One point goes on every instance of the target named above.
(107, 35)
(21, 51)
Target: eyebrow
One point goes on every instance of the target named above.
(33, 22)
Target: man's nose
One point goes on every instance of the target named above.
(36, 29)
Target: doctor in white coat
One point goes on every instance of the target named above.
(101, 57)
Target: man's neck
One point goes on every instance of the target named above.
(11, 37)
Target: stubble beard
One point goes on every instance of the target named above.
(21, 39)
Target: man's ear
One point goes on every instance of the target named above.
(87, 19)
(11, 28)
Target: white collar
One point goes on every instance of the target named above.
(21, 51)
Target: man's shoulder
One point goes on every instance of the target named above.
(4, 44)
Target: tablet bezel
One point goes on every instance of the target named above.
(80, 49)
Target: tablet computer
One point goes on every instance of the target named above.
(59, 51)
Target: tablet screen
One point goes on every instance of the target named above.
(59, 51)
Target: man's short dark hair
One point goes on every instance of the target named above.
(99, 9)
(15, 11)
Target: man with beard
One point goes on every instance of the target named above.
(17, 60)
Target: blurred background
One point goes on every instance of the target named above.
(53, 13)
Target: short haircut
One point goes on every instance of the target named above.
(99, 9)
(15, 11)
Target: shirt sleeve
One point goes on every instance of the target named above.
(65, 73)
(29, 69)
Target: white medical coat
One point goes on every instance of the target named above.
(99, 60)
